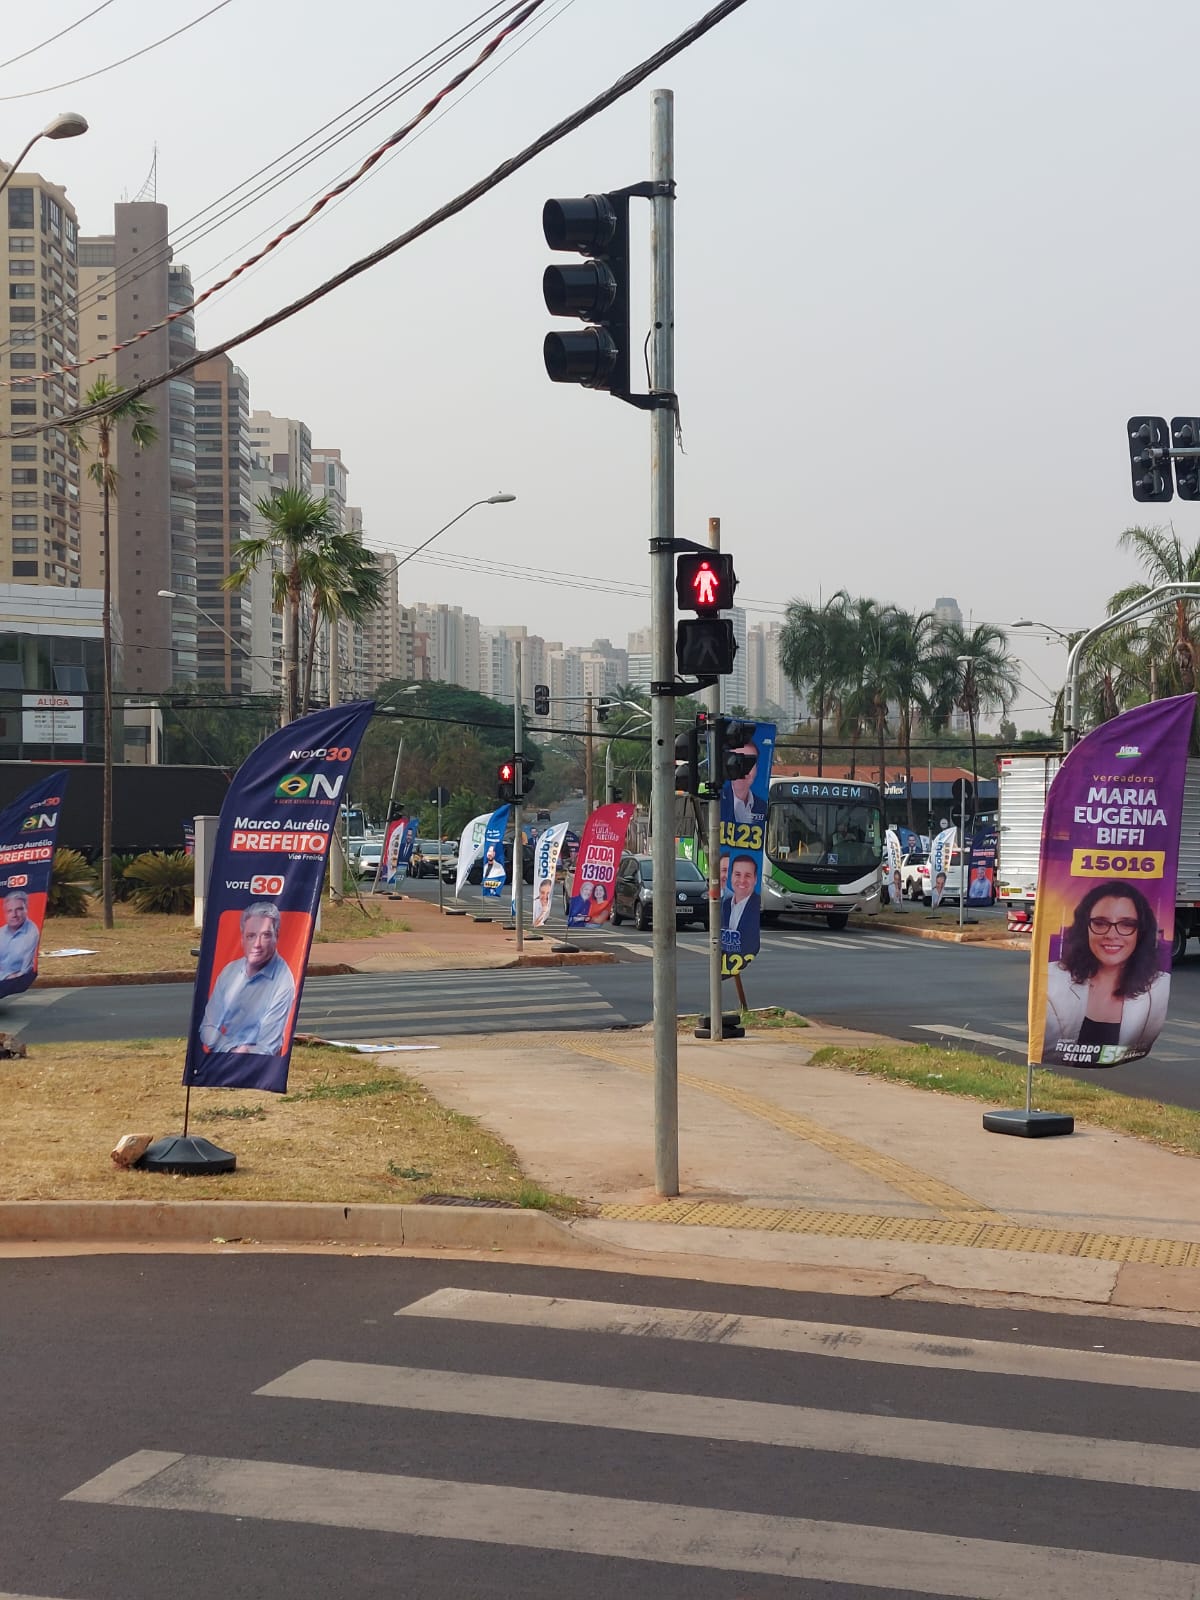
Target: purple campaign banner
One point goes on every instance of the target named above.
(28, 829)
(268, 866)
(1100, 967)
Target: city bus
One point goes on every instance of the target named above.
(824, 848)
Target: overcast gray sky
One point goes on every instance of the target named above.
(925, 260)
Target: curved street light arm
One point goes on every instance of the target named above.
(1136, 608)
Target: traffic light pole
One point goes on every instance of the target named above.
(662, 603)
(587, 756)
(518, 861)
(712, 699)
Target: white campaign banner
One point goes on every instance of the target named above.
(545, 863)
(939, 862)
(892, 862)
(470, 848)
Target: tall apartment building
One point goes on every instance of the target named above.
(775, 688)
(127, 284)
(947, 612)
(639, 659)
(452, 652)
(224, 481)
(40, 523)
(285, 445)
(734, 686)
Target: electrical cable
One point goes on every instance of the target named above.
(54, 37)
(365, 167)
(451, 208)
(181, 238)
(29, 94)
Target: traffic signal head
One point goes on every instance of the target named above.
(603, 707)
(1185, 435)
(596, 291)
(705, 582)
(736, 759)
(525, 774)
(705, 647)
(1149, 463)
(687, 762)
(506, 781)
(541, 699)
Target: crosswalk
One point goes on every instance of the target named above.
(800, 941)
(927, 1504)
(380, 1007)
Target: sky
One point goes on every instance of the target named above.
(926, 267)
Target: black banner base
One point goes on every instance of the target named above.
(731, 1026)
(188, 1156)
(1029, 1124)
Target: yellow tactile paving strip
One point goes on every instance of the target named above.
(916, 1230)
(954, 1206)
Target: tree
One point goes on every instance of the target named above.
(911, 644)
(975, 673)
(117, 413)
(1169, 638)
(297, 525)
(813, 650)
(343, 581)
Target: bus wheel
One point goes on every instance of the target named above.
(769, 919)
(837, 919)
(1179, 942)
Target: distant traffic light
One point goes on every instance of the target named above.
(687, 759)
(1185, 435)
(541, 699)
(615, 794)
(596, 291)
(603, 707)
(506, 778)
(1149, 462)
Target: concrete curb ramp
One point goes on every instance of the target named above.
(284, 1222)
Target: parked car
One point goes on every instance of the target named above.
(476, 873)
(953, 888)
(429, 856)
(633, 893)
(368, 856)
(911, 881)
(543, 816)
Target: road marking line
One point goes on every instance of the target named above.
(422, 1014)
(951, 1444)
(639, 1530)
(948, 1030)
(920, 1186)
(891, 1346)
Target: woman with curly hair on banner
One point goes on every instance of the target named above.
(1106, 996)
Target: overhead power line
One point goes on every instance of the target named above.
(54, 37)
(192, 229)
(569, 124)
(28, 94)
(364, 167)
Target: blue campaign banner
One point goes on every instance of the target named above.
(408, 838)
(268, 866)
(28, 829)
(493, 853)
(743, 829)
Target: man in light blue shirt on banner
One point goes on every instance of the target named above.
(252, 999)
(18, 936)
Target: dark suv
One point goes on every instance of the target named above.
(633, 894)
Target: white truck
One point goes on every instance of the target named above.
(1024, 781)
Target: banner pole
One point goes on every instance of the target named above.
(712, 699)
(381, 869)
(518, 860)
(1029, 1088)
(187, 1106)
(441, 880)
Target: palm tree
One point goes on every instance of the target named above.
(813, 650)
(297, 524)
(912, 672)
(342, 580)
(1169, 650)
(142, 433)
(977, 672)
(868, 683)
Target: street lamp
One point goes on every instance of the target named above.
(1163, 594)
(66, 125)
(172, 594)
(499, 499)
(1027, 622)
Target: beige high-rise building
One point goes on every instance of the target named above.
(40, 532)
(224, 481)
(284, 444)
(126, 285)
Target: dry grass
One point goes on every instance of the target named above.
(144, 942)
(1002, 1083)
(351, 1130)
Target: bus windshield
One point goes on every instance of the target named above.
(826, 833)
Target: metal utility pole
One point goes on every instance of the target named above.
(518, 860)
(662, 605)
(587, 755)
(712, 699)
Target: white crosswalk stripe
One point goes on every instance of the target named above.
(378, 1006)
(526, 1516)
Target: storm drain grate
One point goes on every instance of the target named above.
(464, 1200)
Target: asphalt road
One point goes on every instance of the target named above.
(280, 1426)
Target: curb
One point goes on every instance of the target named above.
(286, 1222)
(100, 980)
(946, 936)
(574, 958)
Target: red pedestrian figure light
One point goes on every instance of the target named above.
(704, 582)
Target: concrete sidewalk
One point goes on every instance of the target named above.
(785, 1164)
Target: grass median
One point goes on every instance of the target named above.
(1002, 1083)
(153, 942)
(352, 1129)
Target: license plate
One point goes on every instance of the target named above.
(824, 905)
